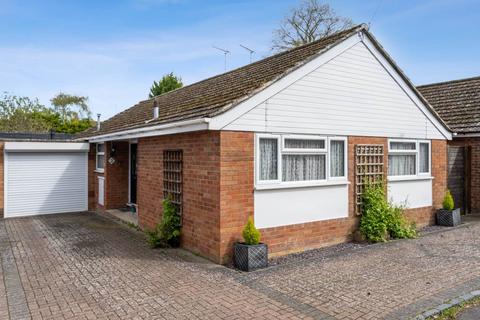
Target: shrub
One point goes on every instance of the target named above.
(382, 220)
(251, 235)
(448, 203)
(167, 232)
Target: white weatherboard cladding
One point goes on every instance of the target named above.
(45, 182)
(280, 207)
(411, 193)
(351, 95)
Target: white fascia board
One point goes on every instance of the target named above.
(46, 146)
(158, 130)
(405, 87)
(221, 121)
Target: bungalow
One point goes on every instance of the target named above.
(286, 140)
(458, 104)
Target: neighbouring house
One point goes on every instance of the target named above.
(287, 140)
(458, 104)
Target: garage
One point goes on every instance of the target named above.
(45, 178)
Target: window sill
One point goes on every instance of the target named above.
(99, 170)
(409, 178)
(301, 185)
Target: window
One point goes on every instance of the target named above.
(268, 169)
(337, 158)
(100, 161)
(300, 159)
(424, 160)
(408, 158)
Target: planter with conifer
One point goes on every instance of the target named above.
(448, 216)
(250, 255)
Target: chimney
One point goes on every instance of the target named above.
(156, 110)
(98, 121)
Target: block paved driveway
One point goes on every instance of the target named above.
(82, 266)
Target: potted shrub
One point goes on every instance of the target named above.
(448, 216)
(251, 254)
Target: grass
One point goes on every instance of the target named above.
(453, 312)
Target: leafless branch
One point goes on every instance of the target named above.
(311, 21)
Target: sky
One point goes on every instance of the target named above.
(112, 51)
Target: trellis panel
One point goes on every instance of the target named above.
(369, 169)
(173, 177)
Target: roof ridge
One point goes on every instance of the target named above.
(449, 81)
(358, 27)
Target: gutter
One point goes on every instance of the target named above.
(158, 130)
(466, 135)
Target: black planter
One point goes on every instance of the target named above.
(250, 257)
(448, 218)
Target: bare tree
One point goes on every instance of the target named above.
(310, 21)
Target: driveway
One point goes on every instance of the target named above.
(83, 266)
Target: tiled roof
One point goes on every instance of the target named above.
(457, 102)
(215, 95)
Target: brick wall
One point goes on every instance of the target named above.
(474, 144)
(236, 187)
(201, 187)
(116, 175)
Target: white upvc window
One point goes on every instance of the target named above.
(338, 158)
(409, 158)
(291, 160)
(100, 157)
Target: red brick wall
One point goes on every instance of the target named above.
(92, 179)
(236, 187)
(474, 144)
(116, 175)
(201, 187)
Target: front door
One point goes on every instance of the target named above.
(133, 173)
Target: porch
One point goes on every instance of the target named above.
(116, 176)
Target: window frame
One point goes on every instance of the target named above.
(282, 150)
(429, 172)
(98, 153)
(345, 159)
(286, 150)
(415, 152)
(257, 159)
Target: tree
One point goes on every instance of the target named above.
(70, 106)
(168, 83)
(22, 114)
(309, 22)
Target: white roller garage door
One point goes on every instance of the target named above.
(45, 182)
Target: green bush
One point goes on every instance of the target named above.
(448, 203)
(251, 235)
(167, 232)
(380, 219)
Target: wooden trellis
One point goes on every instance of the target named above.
(369, 169)
(173, 177)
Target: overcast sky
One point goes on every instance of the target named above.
(111, 51)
